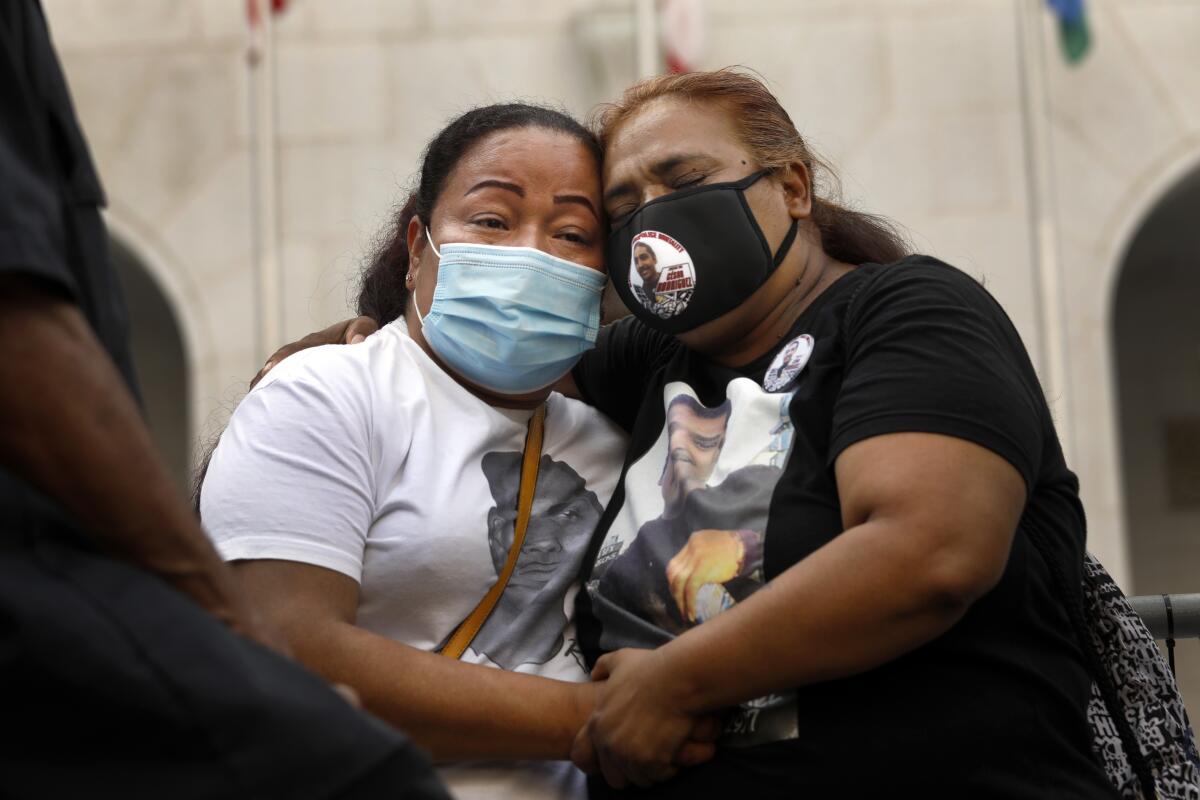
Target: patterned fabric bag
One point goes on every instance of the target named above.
(1149, 750)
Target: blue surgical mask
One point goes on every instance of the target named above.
(511, 319)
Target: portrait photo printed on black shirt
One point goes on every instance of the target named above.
(688, 541)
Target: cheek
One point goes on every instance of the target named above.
(770, 210)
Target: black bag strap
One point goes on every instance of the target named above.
(1170, 631)
(1072, 600)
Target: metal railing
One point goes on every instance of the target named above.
(1169, 617)
(1164, 612)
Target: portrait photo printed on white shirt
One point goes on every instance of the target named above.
(369, 460)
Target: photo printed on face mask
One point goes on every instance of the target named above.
(661, 275)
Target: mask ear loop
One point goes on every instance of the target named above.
(429, 238)
(786, 244)
(416, 306)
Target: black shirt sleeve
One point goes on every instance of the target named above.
(929, 350)
(43, 159)
(614, 375)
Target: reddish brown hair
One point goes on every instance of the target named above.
(769, 133)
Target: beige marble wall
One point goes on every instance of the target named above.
(917, 102)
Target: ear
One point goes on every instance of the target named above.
(797, 189)
(497, 545)
(416, 245)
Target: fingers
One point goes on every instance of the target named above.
(613, 775)
(695, 753)
(658, 774)
(276, 357)
(348, 694)
(619, 773)
(583, 755)
(348, 332)
(708, 728)
(358, 329)
(603, 668)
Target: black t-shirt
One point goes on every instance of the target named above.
(50, 224)
(995, 707)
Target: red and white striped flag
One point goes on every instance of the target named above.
(684, 28)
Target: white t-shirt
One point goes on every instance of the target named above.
(370, 460)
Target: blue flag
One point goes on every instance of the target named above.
(1072, 28)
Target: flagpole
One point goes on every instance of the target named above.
(264, 195)
(647, 38)
(1049, 299)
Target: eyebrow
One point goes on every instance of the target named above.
(577, 198)
(660, 168)
(492, 182)
(520, 192)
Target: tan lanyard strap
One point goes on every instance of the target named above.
(465, 632)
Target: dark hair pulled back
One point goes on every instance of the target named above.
(382, 294)
(769, 133)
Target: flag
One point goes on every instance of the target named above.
(254, 49)
(683, 25)
(1073, 33)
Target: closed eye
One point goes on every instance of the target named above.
(619, 216)
(691, 179)
(575, 237)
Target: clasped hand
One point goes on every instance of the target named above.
(640, 731)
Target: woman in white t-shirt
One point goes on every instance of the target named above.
(367, 494)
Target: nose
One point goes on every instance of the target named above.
(541, 542)
(530, 234)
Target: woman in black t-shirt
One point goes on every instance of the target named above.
(845, 513)
(844, 527)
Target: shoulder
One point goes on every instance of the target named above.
(345, 370)
(578, 420)
(633, 330)
(580, 432)
(920, 273)
(343, 390)
(633, 342)
(918, 285)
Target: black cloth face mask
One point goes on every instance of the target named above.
(686, 258)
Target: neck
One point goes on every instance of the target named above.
(494, 399)
(814, 276)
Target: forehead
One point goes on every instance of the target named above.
(682, 413)
(531, 157)
(559, 483)
(667, 127)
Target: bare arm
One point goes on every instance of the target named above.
(453, 709)
(70, 428)
(349, 331)
(929, 522)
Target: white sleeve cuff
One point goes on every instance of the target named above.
(257, 548)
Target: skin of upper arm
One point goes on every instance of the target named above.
(302, 600)
(955, 504)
